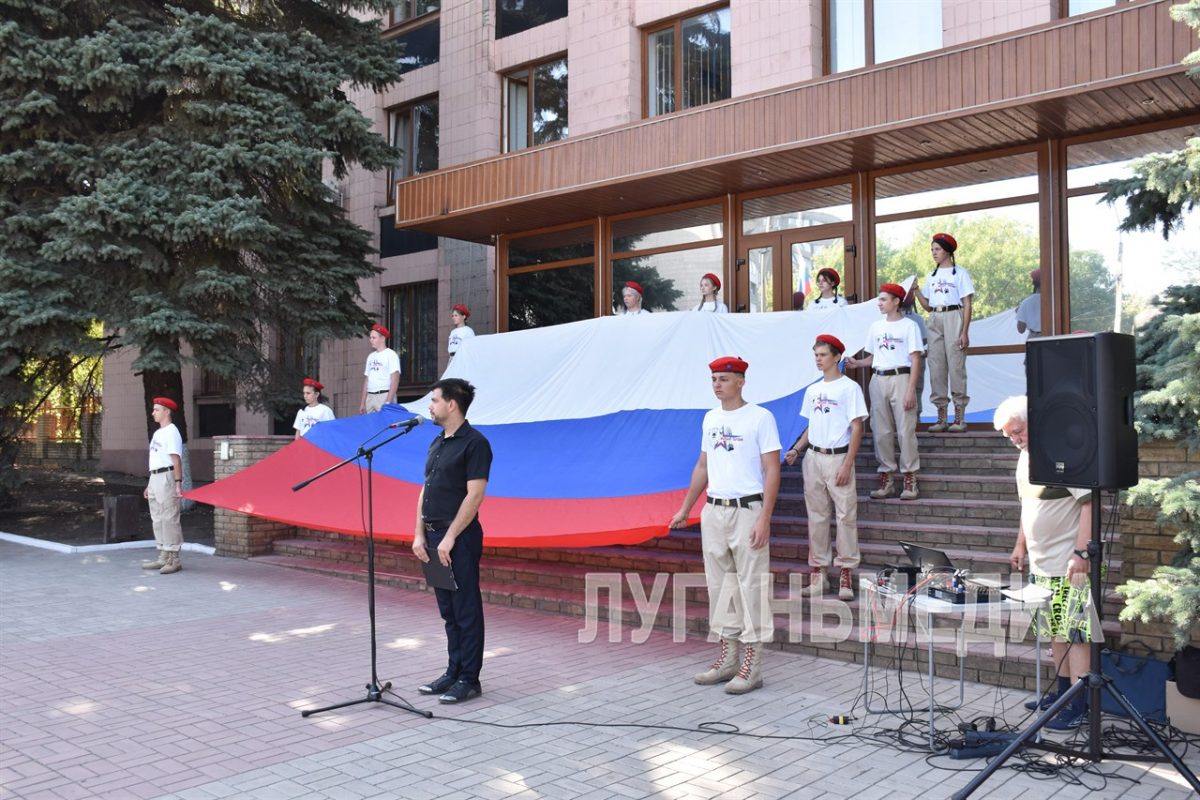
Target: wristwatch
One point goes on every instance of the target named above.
(1084, 554)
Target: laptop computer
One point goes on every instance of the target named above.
(926, 557)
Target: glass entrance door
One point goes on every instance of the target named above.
(812, 251)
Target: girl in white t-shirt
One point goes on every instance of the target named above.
(947, 299)
(710, 284)
(314, 410)
(827, 297)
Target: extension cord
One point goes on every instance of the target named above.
(975, 746)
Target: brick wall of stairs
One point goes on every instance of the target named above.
(968, 508)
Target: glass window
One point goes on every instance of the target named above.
(535, 105)
(799, 209)
(413, 130)
(1084, 6)
(671, 279)
(702, 74)
(514, 16)
(411, 9)
(972, 182)
(419, 47)
(1114, 274)
(898, 29)
(686, 226)
(551, 296)
(412, 317)
(551, 247)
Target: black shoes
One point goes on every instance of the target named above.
(437, 685)
(460, 692)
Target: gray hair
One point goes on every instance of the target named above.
(1011, 408)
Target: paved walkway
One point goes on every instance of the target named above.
(116, 683)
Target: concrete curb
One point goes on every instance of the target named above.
(188, 547)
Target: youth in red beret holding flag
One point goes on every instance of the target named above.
(947, 299)
(894, 352)
(461, 330)
(165, 487)
(739, 466)
(381, 376)
(710, 285)
(835, 408)
(632, 296)
(314, 410)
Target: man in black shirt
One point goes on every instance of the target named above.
(456, 476)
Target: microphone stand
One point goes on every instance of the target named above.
(375, 690)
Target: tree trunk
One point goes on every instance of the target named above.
(159, 383)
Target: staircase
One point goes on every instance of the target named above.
(968, 508)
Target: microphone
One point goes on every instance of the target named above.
(408, 425)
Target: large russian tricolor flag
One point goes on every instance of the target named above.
(594, 426)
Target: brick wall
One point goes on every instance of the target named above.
(236, 534)
(1146, 545)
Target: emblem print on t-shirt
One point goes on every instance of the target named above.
(889, 342)
(724, 439)
(824, 404)
(942, 286)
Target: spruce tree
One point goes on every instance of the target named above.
(161, 171)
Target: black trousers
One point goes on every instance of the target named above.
(462, 610)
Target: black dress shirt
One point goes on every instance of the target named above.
(452, 461)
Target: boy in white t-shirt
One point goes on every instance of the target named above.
(381, 376)
(739, 465)
(314, 410)
(835, 408)
(165, 487)
(894, 354)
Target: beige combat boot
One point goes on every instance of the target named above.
(846, 584)
(940, 425)
(724, 668)
(749, 675)
(910, 491)
(173, 564)
(887, 486)
(816, 583)
(159, 561)
(960, 420)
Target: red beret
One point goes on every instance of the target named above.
(637, 287)
(834, 278)
(729, 364)
(382, 331)
(832, 341)
(893, 289)
(165, 402)
(315, 384)
(1036, 276)
(947, 242)
(460, 308)
(715, 280)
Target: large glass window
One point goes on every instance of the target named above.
(411, 9)
(688, 63)
(798, 209)
(514, 16)
(412, 317)
(535, 105)
(1114, 273)
(419, 47)
(551, 277)
(897, 29)
(413, 130)
(667, 253)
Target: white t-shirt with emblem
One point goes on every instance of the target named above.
(380, 366)
(458, 336)
(311, 415)
(735, 442)
(826, 304)
(892, 344)
(829, 407)
(947, 286)
(165, 442)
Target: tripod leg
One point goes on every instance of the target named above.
(1022, 740)
(1162, 747)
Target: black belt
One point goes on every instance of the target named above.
(896, 371)
(433, 527)
(831, 451)
(161, 469)
(945, 308)
(744, 502)
(381, 391)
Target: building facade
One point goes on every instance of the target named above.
(553, 149)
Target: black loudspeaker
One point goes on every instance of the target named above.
(1080, 391)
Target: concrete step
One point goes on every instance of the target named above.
(930, 510)
(953, 462)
